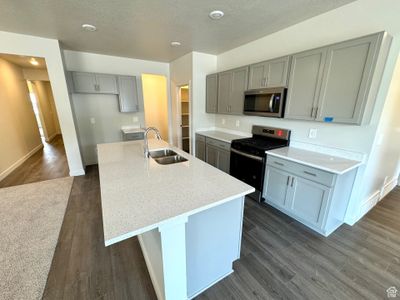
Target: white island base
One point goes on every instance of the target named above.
(187, 255)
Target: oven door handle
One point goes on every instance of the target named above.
(247, 155)
(271, 103)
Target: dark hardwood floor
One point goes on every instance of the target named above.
(48, 163)
(281, 259)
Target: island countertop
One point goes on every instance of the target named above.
(138, 194)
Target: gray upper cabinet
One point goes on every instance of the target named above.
(128, 97)
(91, 83)
(346, 80)
(271, 73)
(212, 93)
(84, 82)
(231, 87)
(304, 84)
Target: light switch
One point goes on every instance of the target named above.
(313, 133)
(223, 121)
(92, 120)
(237, 123)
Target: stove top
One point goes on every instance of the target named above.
(263, 139)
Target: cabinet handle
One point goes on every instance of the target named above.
(316, 112)
(278, 163)
(309, 173)
(291, 185)
(312, 112)
(287, 182)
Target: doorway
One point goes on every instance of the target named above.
(184, 109)
(156, 103)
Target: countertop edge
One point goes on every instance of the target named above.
(204, 133)
(109, 242)
(315, 165)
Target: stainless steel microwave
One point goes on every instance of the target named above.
(269, 102)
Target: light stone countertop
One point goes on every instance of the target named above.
(138, 194)
(333, 164)
(222, 136)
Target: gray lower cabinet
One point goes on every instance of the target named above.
(331, 84)
(128, 95)
(231, 87)
(214, 152)
(271, 73)
(316, 198)
(91, 83)
(212, 93)
(201, 147)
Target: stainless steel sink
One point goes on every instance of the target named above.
(162, 153)
(167, 160)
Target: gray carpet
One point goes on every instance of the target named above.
(31, 216)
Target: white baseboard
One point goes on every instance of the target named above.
(389, 186)
(48, 140)
(369, 204)
(19, 162)
(78, 172)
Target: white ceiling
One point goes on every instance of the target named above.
(144, 28)
(24, 61)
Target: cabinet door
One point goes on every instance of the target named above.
(224, 91)
(106, 84)
(128, 98)
(201, 150)
(211, 93)
(346, 80)
(212, 155)
(238, 87)
(304, 84)
(276, 186)
(84, 82)
(277, 72)
(257, 75)
(308, 200)
(224, 159)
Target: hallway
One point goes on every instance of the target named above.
(48, 163)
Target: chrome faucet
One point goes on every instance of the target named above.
(146, 142)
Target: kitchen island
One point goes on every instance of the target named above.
(188, 216)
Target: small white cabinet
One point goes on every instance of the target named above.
(316, 198)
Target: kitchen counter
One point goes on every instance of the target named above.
(333, 164)
(188, 216)
(222, 136)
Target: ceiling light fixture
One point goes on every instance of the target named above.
(175, 44)
(89, 27)
(216, 14)
(34, 62)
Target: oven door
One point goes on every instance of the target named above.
(250, 169)
(266, 102)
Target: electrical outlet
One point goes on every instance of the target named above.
(312, 133)
(237, 123)
(135, 119)
(223, 121)
(92, 120)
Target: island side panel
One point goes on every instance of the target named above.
(213, 241)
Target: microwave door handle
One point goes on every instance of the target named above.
(271, 103)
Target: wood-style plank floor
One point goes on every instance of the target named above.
(48, 163)
(281, 259)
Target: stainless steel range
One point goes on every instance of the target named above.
(248, 157)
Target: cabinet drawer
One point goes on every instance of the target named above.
(133, 136)
(200, 138)
(310, 173)
(219, 144)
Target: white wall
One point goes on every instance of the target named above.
(19, 133)
(104, 108)
(19, 44)
(353, 20)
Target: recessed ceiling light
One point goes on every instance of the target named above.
(216, 14)
(34, 62)
(89, 27)
(175, 44)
